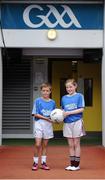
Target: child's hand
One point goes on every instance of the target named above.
(55, 122)
(49, 119)
(66, 113)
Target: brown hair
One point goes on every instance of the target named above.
(73, 81)
(46, 84)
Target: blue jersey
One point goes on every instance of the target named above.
(43, 107)
(72, 102)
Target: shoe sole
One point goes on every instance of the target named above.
(75, 170)
(44, 169)
(72, 169)
(34, 169)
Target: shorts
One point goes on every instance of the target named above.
(43, 129)
(74, 129)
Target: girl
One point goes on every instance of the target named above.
(73, 106)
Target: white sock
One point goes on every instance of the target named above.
(36, 159)
(43, 159)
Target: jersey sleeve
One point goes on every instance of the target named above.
(62, 106)
(54, 105)
(81, 103)
(35, 108)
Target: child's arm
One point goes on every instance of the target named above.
(42, 117)
(67, 113)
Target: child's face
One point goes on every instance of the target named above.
(70, 88)
(46, 92)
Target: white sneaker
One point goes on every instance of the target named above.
(69, 168)
(75, 168)
(72, 168)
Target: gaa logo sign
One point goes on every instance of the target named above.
(45, 19)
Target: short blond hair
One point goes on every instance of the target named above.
(44, 85)
(72, 81)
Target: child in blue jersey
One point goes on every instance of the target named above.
(43, 129)
(73, 106)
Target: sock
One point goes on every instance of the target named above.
(72, 160)
(36, 159)
(77, 161)
(43, 159)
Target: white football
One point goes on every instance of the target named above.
(57, 115)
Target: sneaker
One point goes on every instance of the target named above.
(75, 168)
(35, 167)
(45, 167)
(72, 168)
(69, 168)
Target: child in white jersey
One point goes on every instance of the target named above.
(73, 106)
(43, 129)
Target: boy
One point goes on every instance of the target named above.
(43, 129)
(73, 106)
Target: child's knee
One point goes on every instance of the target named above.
(38, 145)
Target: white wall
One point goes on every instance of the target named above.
(64, 39)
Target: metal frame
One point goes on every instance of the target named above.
(55, 1)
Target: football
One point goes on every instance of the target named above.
(57, 115)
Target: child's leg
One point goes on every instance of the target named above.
(71, 146)
(44, 154)
(71, 150)
(74, 149)
(44, 150)
(37, 149)
(37, 146)
(77, 146)
(36, 153)
(77, 151)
